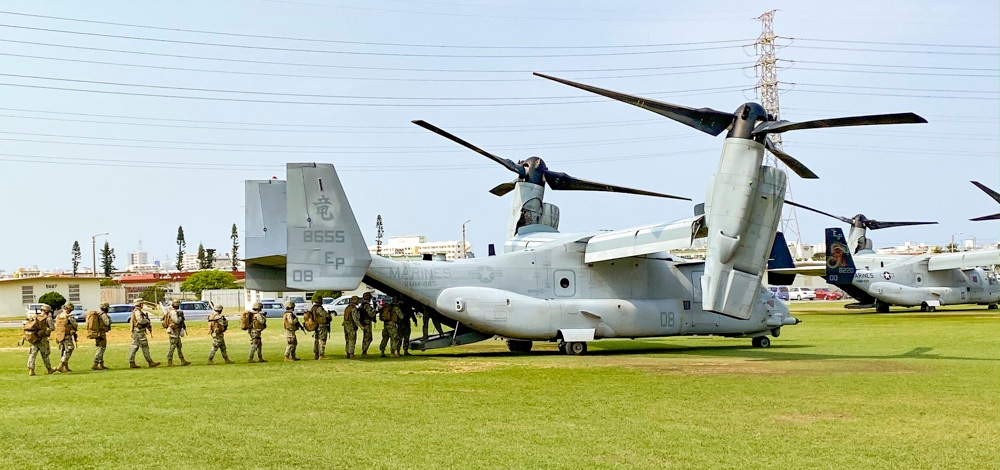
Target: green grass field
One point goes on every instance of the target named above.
(840, 390)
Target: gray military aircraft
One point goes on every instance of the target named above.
(993, 194)
(880, 281)
(572, 288)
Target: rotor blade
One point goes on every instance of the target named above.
(563, 182)
(842, 219)
(706, 120)
(993, 194)
(987, 217)
(503, 161)
(503, 188)
(877, 224)
(792, 163)
(773, 127)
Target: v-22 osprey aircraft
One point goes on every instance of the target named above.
(303, 235)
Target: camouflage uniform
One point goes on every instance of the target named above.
(404, 326)
(431, 316)
(217, 326)
(98, 332)
(391, 315)
(366, 321)
(140, 323)
(352, 315)
(257, 326)
(322, 332)
(41, 344)
(65, 336)
(292, 326)
(175, 332)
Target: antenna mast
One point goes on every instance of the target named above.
(378, 236)
(767, 94)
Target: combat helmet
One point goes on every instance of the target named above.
(46, 308)
(289, 305)
(175, 303)
(68, 306)
(258, 305)
(105, 306)
(218, 308)
(355, 299)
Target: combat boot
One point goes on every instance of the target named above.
(211, 362)
(31, 372)
(321, 358)
(382, 354)
(395, 355)
(296, 359)
(288, 359)
(261, 359)
(133, 365)
(62, 367)
(66, 366)
(170, 362)
(230, 362)
(251, 360)
(103, 367)
(153, 364)
(185, 362)
(96, 366)
(51, 370)
(407, 353)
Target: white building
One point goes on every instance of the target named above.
(17, 293)
(138, 258)
(415, 246)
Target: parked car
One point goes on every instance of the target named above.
(195, 310)
(32, 309)
(120, 313)
(336, 306)
(780, 292)
(79, 313)
(801, 293)
(273, 309)
(822, 293)
(300, 303)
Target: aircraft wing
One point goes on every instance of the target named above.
(640, 241)
(963, 260)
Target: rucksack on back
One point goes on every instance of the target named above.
(167, 321)
(219, 325)
(35, 330)
(258, 325)
(385, 315)
(246, 318)
(309, 321)
(94, 324)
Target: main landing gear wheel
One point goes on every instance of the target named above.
(575, 348)
(761, 342)
(882, 308)
(991, 307)
(517, 345)
(923, 307)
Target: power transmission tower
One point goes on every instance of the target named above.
(378, 237)
(767, 94)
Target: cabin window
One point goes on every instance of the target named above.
(919, 279)
(564, 283)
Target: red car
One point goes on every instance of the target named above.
(823, 293)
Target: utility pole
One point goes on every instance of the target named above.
(767, 94)
(465, 253)
(93, 250)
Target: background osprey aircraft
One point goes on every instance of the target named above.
(993, 194)
(303, 235)
(879, 281)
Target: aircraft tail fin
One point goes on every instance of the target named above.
(780, 258)
(325, 247)
(839, 262)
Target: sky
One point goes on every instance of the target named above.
(134, 118)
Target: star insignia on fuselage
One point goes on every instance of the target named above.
(887, 275)
(485, 274)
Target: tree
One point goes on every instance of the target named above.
(76, 257)
(819, 257)
(108, 282)
(53, 299)
(107, 259)
(234, 254)
(201, 256)
(327, 293)
(181, 244)
(203, 280)
(155, 293)
(209, 258)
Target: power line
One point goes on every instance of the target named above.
(364, 43)
(348, 67)
(325, 103)
(328, 77)
(361, 53)
(887, 43)
(890, 88)
(857, 49)
(895, 66)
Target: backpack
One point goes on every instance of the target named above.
(385, 315)
(219, 325)
(309, 321)
(259, 325)
(166, 320)
(246, 318)
(93, 324)
(35, 330)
